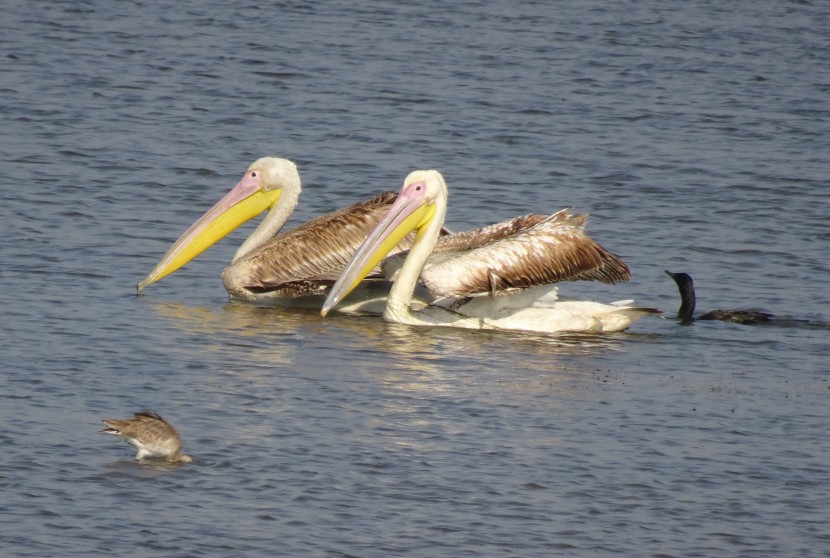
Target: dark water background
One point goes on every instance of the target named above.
(696, 134)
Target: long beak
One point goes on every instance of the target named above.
(244, 202)
(411, 211)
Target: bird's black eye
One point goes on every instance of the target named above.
(253, 174)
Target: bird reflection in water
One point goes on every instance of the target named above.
(273, 336)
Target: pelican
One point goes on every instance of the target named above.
(151, 435)
(294, 268)
(686, 286)
(520, 264)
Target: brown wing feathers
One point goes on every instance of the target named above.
(520, 253)
(319, 250)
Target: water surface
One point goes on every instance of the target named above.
(696, 137)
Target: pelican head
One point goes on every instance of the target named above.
(264, 183)
(421, 202)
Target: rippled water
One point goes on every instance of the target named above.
(696, 136)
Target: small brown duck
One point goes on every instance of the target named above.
(151, 434)
(686, 286)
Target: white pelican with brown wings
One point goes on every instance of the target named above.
(292, 269)
(499, 277)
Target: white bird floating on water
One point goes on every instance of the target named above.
(292, 269)
(151, 435)
(519, 259)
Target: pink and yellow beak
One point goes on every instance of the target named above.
(412, 211)
(244, 202)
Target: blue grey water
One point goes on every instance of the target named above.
(695, 134)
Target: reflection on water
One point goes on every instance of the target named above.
(144, 469)
(424, 343)
(242, 319)
(253, 354)
(234, 318)
(280, 333)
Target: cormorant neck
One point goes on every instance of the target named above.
(686, 287)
